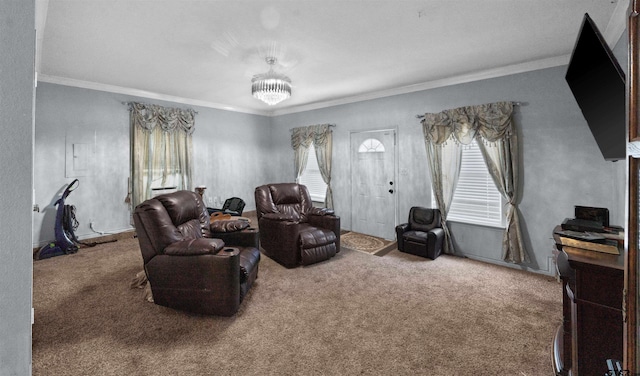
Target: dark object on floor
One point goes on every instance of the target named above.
(186, 268)
(233, 206)
(66, 223)
(422, 235)
(63, 232)
(292, 231)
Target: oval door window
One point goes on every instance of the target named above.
(371, 145)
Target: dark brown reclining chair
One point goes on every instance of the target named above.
(422, 235)
(232, 206)
(186, 269)
(292, 231)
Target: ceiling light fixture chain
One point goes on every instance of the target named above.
(271, 87)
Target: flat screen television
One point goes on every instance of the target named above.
(598, 85)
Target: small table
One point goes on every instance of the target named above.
(592, 327)
(213, 219)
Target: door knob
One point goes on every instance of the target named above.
(390, 190)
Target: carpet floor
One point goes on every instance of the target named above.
(351, 315)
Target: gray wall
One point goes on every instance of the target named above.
(17, 43)
(562, 165)
(228, 150)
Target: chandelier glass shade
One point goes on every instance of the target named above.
(271, 87)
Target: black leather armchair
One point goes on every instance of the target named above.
(186, 269)
(232, 206)
(422, 235)
(292, 231)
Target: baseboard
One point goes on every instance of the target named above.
(125, 234)
(550, 271)
(390, 247)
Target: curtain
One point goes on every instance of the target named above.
(161, 148)
(444, 166)
(300, 141)
(322, 138)
(492, 126)
(323, 143)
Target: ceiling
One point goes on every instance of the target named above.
(205, 52)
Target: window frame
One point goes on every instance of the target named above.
(473, 164)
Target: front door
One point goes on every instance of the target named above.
(373, 183)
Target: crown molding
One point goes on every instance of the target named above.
(142, 93)
(470, 77)
(461, 79)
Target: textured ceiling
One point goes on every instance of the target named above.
(206, 52)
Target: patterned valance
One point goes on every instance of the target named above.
(490, 122)
(304, 136)
(149, 116)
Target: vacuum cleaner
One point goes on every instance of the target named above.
(66, 241)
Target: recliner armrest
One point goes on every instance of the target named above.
(438, 232)
(330, 222)
(248, 237)
(401, 229)
(404, 227)
(281, 217)
(321, 211)
(194, 247)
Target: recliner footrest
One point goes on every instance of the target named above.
(421, 249)
(314, 237)
(312, 255)
(317, 244)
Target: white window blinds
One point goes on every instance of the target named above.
(476, 199)
(312, 179)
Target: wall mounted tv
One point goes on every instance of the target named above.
(598, 85)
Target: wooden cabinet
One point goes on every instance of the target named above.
(592, 327)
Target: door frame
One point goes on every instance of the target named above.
(395, 171)
(631, 297)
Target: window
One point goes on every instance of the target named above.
(476, 199)
(161, 186)
(162, 154)
(371, 145)
(312, 179)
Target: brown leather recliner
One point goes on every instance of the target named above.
(186, 269)
(422, 235)
(292, 231)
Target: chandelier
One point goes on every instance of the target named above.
(271, 87)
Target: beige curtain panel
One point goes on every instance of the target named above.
(161, 148)
(444, 165)
(300, 142)
(492, 126)
(322, 138)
